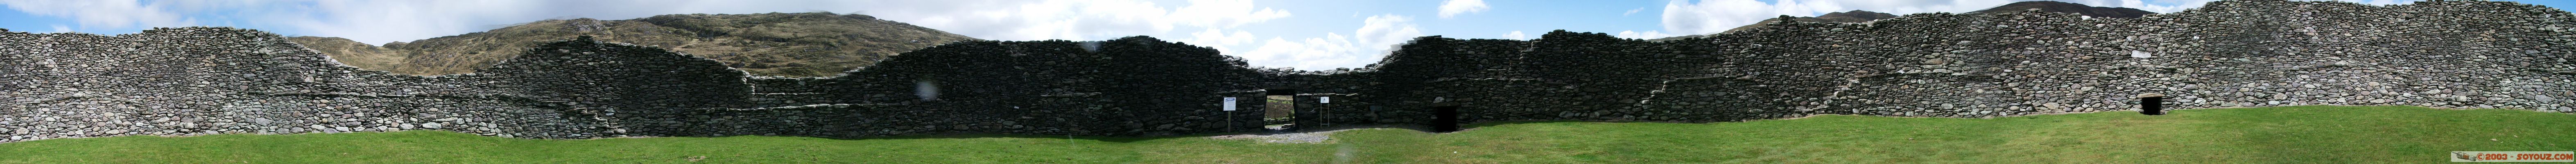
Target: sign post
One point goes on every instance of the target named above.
(1326, 113)
(1228, 114)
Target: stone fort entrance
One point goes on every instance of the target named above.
(1279, 109)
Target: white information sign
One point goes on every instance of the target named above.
(1325, 99)
(1229, 103)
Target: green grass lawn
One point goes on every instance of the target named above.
(2301, 134)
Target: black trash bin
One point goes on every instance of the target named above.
(1444, 118)
(2151, 104)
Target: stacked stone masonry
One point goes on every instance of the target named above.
(2235, 53)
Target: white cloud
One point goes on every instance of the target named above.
(1225, 13)
(1632, 11)
(1376, 36)
(1713, 16)
(1387, 29)
(1218, 39)
(1516, 35)
(102, 13)
(1452, 8)
(389, 21)
(1331, 51)
(1643, 35)
(1076, 19)
(62, 29)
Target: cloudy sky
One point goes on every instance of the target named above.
(1303, 34)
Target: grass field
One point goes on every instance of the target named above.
(2301, 134)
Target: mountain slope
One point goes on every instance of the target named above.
(1854, 16)
(2063, 7)
(1858, 16)
(776, 44)
(351, 52)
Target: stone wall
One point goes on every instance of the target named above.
(2237, 53)
(2244, 53)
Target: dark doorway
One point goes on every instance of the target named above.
(2151, 105)
(1444, 118)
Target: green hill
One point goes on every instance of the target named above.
(777, 44)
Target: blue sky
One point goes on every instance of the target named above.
(1304, 34)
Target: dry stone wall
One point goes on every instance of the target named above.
(2242, 53)
(2237, 53)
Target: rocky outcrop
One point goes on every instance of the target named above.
(2241, 53)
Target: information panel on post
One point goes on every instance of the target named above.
(1229, 103)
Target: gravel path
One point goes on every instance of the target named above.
(1296, 138)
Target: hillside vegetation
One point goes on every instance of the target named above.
(774, 44)
(1858, 16)
(353, 53)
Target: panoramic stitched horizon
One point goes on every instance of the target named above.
(2237, 53)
